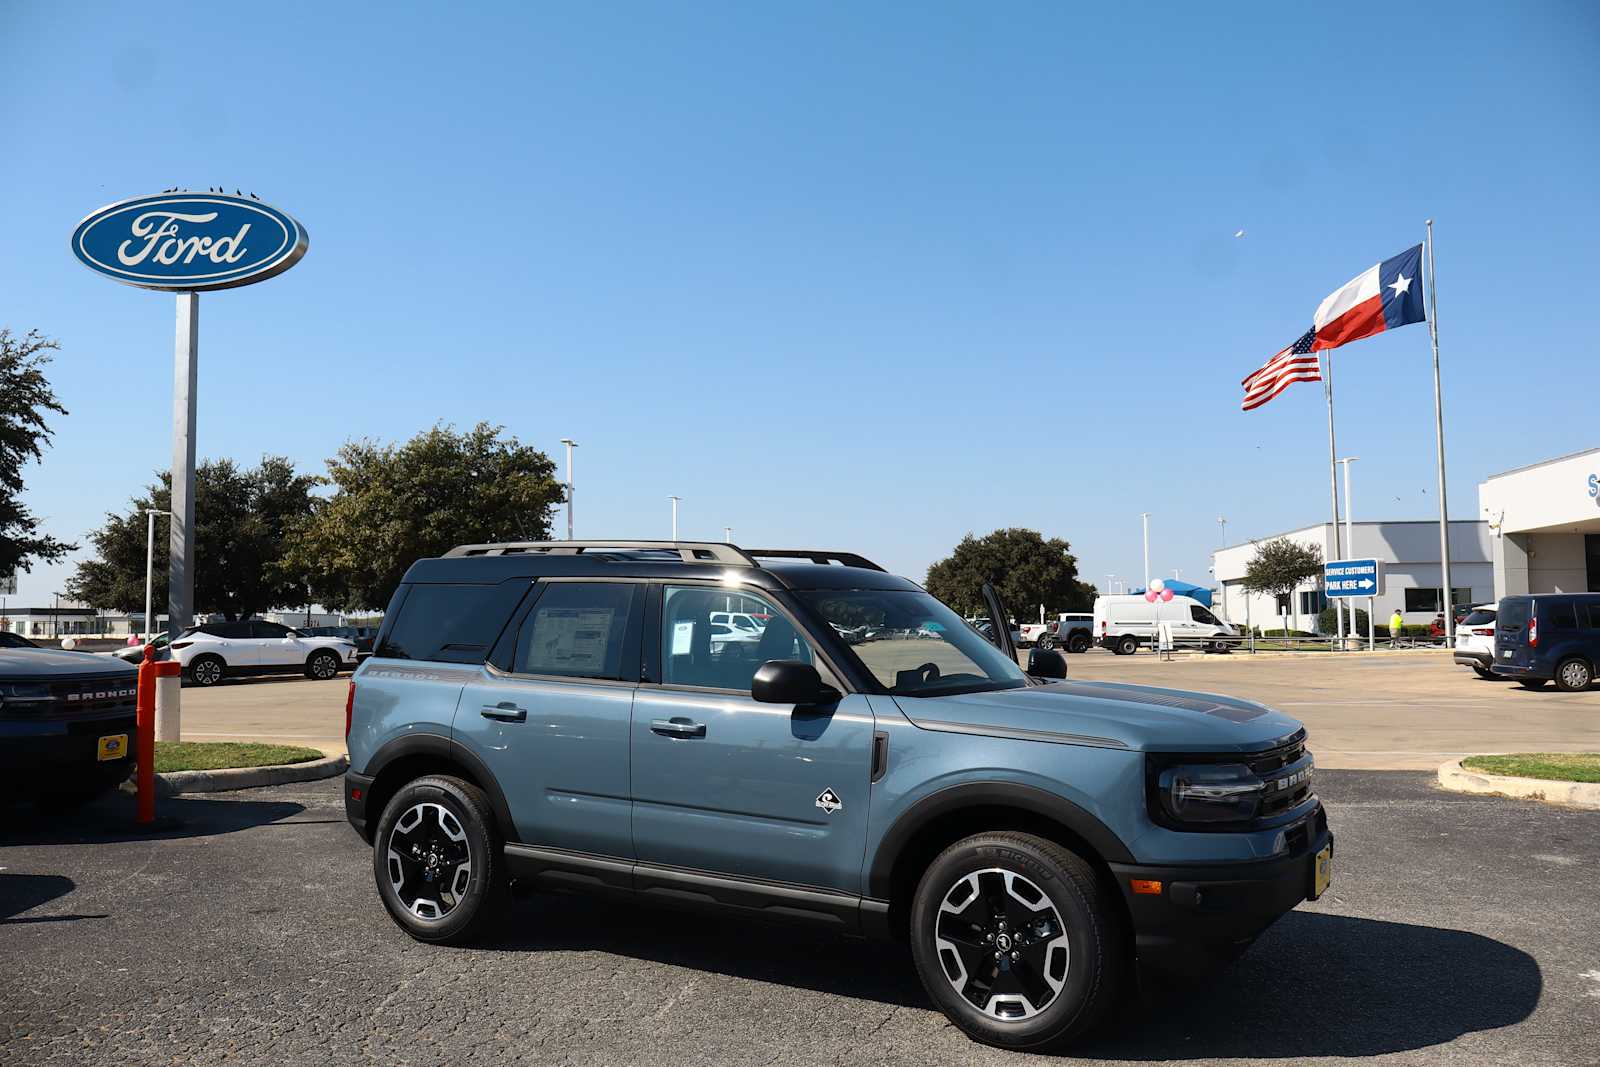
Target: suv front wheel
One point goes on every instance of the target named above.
(436, 857)
(1016, 940)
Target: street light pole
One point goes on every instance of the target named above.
(149, 571)
(1145, 516)
(571, 444)
(674, 500)
(727, 535)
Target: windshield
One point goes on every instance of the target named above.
(912, 644)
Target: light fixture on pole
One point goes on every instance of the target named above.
(571, 444)
(1222, 522)
(1145, 517)
(674, 500)
(727, 535)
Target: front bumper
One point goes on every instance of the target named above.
(1206, 916)
(41, 754)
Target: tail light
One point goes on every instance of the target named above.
(1533, 632)
(182, 644)
(1484, 631)
(349, 707)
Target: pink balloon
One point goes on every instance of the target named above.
(1150, 595)
(1166, 594)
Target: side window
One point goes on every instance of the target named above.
(1594, 615)
(697, 652)
(268, 629)
(577, 629)
(451, 623)
(1559, 615)
(1200, 614)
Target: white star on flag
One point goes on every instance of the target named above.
(1401, 284)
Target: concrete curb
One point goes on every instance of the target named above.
(175, 782)
(1458, 779)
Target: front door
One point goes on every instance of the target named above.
(725, 784)
(277, 646)
(552, 726)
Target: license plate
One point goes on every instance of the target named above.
(1506, 654)
(112, 746)
(1321, 872)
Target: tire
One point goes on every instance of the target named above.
(1482, 671)
(1070, 969)
(446, 824)
(323, 664)
(1574, 675)
(1532, 683)
(1046, 642)
(207, 670)
(1126, 645)
(1078, 642)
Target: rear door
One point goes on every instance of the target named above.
(1511, 631)
(550, 714)
(277, 646)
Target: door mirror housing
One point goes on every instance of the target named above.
(788, 681)
(1047, 663)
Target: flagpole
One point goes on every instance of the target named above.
(1333, 488)
(1438, 429)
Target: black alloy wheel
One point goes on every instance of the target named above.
(206, 670)
(1016, 941)
(322, 665)
(436, 859)
(1078, 642)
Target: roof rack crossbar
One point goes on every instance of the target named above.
(688, 551)
(815, 555)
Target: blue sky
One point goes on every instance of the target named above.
(837, 275)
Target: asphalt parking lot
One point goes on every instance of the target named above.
(1458, 930)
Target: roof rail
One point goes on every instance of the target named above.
(815, 555)
(688, 551)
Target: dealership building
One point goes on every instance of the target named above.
(1544, 522)
(1413, 576)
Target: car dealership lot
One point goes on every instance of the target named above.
(1459, 929)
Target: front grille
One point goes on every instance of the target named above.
(68, 698)
(1287, 770)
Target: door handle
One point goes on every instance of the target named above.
(678, 727)
(505, 711)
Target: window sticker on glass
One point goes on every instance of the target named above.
(570, 640)
(682, 639)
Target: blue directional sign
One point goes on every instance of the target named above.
(189, 242)
(1352, 577)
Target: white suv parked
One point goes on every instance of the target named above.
(1475, 639)
(213, 650)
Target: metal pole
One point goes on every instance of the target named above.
(1350, 544)
(1333, 487)
(674, 516)
(149, 573)
(1145, 516)
(1438, 429)
(180, 566)
(727, 535)
(571, 444)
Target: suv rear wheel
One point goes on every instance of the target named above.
(1574, 675)
(437, 860)
(1016, 941)
(207, 670)
(1078, 641)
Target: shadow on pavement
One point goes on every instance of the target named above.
(1315, 985)
(22, 892)
(111, 819)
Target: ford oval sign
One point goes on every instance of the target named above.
(189, 242)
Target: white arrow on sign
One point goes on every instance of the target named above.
(1367, 583)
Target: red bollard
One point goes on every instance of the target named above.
(146, 725)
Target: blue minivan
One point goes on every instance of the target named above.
(580, 717)
(1548, 636)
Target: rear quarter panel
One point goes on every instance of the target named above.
(401, 698)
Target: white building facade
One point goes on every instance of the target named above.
(1413, 574)
(1544, 522)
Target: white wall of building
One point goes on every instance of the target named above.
(1540, 517)
(1409, 551)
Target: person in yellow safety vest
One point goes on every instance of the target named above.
(1395, 624)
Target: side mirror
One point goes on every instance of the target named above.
(1047, 663)
(788, 681)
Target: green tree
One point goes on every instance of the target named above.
(1279, 567)
(1025, 568)
(242, 521)
(393, 505)
(25, 400)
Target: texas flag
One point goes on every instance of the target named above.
(1378, 299)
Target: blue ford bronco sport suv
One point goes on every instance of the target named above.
(66, 724)
(580, 716)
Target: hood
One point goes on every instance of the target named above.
(1110, 715)
(53, 663)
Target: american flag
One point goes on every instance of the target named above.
(1293, 364)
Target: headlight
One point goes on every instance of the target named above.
(19, 698)
(1210, 793)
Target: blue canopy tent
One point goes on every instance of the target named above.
(1188, 589)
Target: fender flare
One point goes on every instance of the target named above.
(1028, 798)
(446, 750)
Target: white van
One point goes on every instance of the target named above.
(1123, 623)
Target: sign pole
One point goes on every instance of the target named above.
(180, 565)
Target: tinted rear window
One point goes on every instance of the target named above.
(451, 623)
(1481, 617)
(1513, 612)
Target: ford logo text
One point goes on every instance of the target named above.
(189, 242)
